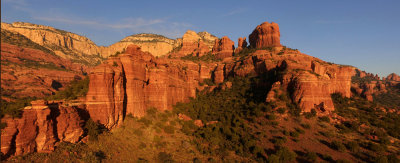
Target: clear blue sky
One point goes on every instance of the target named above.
(362, 33)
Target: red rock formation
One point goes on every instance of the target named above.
(161, 83)
(148, 83)
(242, 43)
(35, 131)
(223, 48)
(193, 44)
(393, 77)
(265, 35)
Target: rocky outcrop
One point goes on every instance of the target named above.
(157, 45)
(223, 48)
(28, 72)
(147, 82)
(193, 44)
(79, 48)
(393, 77)
(65, 44)
(242, 43)
(265, 35)
(39, 128)
(160, 83)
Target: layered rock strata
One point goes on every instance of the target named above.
(265, 35)
(39, 128)
(223, 48)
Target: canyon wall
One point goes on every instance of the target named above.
(79, 48)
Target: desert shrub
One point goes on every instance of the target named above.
(138, 132)
(294, 134)
(306, 125)
(169, 129)
(164, 157)
(353, 146)
(234, 116)
(364, 112)
(381, 159)
(338, 146)
(93, 129)
(77, 88)
(209, 82)
(311, 156)
(342, 161)
(209, 57)
(270, 116)
(283, 154)
(299, 130)
(281, 110)
(14, 109)
(376, 147)
(279, 141)
(147, 122)
(393, 158)
(325, 119)
(311, 114)
(196, 160)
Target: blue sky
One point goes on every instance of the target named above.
(362, 33)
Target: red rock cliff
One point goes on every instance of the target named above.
(135, 81)
(39, 128)
(223, 47)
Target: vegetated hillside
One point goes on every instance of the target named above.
(235, 124)
(30, 71)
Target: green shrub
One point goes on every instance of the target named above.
(306, 125)
(93, 129)
(325, 119)
(284, 154)
(169, 129)
(311, 114)
(281, 110)
(353, 146)
(14, 109)
(77, 88)
(164, 157)
(376, 148)
(270, 116)
(294, 134)
(338, 146)
(311, 156)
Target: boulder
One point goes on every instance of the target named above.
(265, 35)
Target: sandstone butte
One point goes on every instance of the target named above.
(223, 48)
(265, 35)
(242, 43)
(134, 81)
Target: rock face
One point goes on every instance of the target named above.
(194, 44)
(313, 89)
(39, 128)
(242, 43)
(75, 47)
(157, 45)
(393, 77)
(265, 35)
(223, 47)
(65, 44)
(135, 81)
